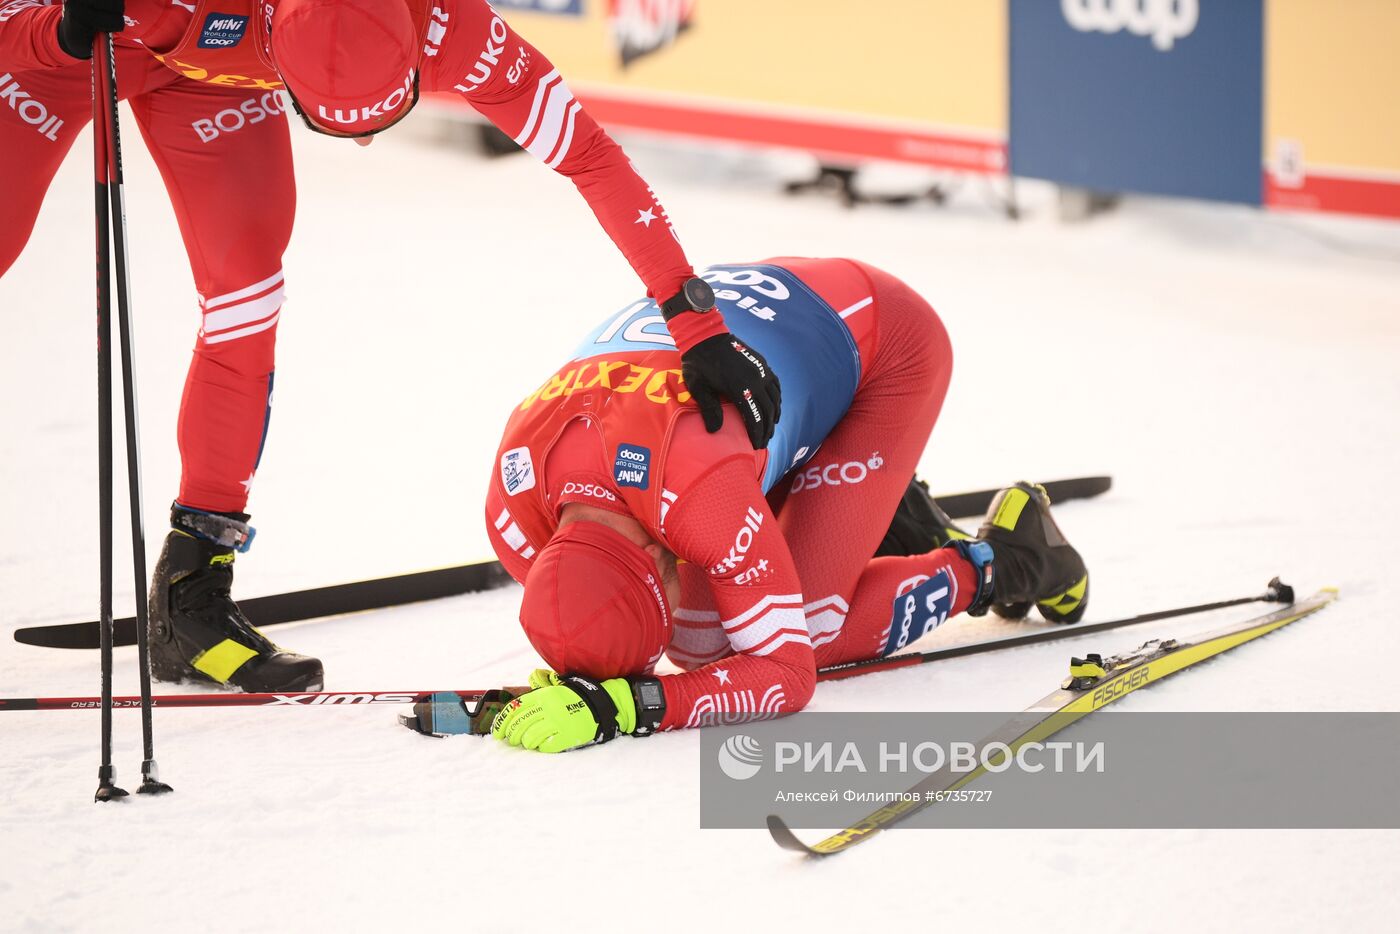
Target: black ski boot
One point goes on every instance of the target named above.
(1032, 562)
(197, 632)
(919, 525)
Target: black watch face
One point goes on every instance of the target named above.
(699, 294)
(650, 694)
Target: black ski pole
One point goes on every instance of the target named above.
(1277, 592)
(107, 789)
(150, 782)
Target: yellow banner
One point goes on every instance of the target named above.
(934, 62)
(1332, 79)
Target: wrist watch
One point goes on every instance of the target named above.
(695, 295)
(651, 703)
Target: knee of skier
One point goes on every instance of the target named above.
(238, 329)
(249, 357)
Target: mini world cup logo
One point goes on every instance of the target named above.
(740, 757)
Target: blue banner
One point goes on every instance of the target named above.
(1156, 96)
(561, 7)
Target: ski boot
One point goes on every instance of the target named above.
(1031, 562)
(919, 525)
(197, 632)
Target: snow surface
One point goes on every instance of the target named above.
(1234, 371)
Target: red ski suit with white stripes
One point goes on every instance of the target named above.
(213, 132)
(774, 584)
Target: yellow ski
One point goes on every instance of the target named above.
(1094, 682)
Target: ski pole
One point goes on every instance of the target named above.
(107, 790)
(311, 699)
(150, 783)
(1277, 592)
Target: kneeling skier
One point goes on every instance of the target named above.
(605, 477)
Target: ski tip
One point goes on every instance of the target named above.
(47, 637)
(1089, 487)
(786, 839)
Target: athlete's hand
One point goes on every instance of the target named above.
(84, 19)
(721, 366)
(564, 713)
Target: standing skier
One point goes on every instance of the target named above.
(203, 82)
(605, 478)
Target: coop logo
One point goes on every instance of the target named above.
(921, 605)
(222, 31)
(32, 112)
(1164, 20)
(740, 757)
(632, 466)
(252, 111)
(641, 27)
(849, 473)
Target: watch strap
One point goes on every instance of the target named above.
(695, 295)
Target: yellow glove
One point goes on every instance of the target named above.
(563, 713)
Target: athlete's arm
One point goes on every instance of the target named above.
(517, 88)
(723, 524)
(29, 36)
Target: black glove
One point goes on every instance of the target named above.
(84, 19)
(720, 366)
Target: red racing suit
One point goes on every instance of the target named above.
(214, 122)
(778, 577)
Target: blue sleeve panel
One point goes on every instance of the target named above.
(801, 336)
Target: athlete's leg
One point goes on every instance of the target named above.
(35, 134)
(226, 160)
(838, 509)
(47, 109)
